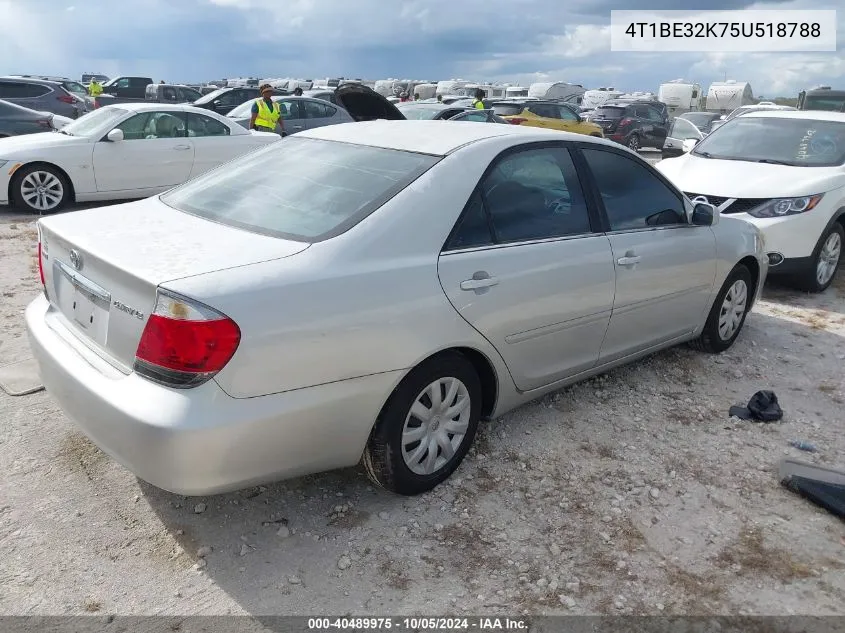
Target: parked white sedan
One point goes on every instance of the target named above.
(125, 151)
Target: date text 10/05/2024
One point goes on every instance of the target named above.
(723, 29)
(417, 624)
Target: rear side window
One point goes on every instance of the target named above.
(21, 90)
(301, 189)
(528, 195)
(608, 112)
(314, 110)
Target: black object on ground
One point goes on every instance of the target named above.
(823, 486)
(763, 407)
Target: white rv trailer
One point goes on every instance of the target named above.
(450, 86)
(425, 91)
(680, 96)
(384, 87)
(516, 92)
(497, 91)
(594, 98)
(571, 93)
(726, 96)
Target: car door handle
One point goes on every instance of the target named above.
(629, 260)
(182, 148)
(478, 284)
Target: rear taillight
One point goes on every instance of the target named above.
(185, 343)
(625, 122)
(66, 99)
(516, 121)
(45, 123)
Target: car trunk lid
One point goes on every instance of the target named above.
(102, 267)
(364, 104)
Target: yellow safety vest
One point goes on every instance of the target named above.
(478, 105)
(268, 117)
(95, 89)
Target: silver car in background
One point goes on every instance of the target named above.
(298, 114)
(367, 293)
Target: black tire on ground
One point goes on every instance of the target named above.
(383, 459)
(634, 142)
(21, 174)
(808, 280)
(711, 340)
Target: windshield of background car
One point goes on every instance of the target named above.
(90, 123)
(211, 96)
(798, 142)
(701, 120)
(419, 113)
(301, 189)
(609, 112)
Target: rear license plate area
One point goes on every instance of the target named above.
(83, 303)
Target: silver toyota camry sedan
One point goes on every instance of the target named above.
(367, 292)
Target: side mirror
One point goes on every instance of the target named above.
(216, 103)
(703, 214)
(689, 144)
(115, 136)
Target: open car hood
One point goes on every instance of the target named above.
(365, 104)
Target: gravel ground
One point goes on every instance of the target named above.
(632, 493)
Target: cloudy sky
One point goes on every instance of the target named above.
(516, 41)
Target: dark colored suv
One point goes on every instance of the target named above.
(635, 124)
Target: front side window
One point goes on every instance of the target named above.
(633, 197)
(153, 125)
(779, 140)
(528, 195)
(201, 125)
(299, 188)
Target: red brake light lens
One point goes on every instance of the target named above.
(44, 123)
(66, 99)
(625, 122)
(40, 263)
(185, 343)
(516, 120)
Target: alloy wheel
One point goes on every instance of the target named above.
(42, 190)
(828, 258)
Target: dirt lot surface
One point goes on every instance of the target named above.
(633, 493)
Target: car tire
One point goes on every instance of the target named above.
(26, 196)
(394, 458)
(727, 316)
(633, 143)
(826, 259)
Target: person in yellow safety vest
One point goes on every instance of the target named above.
(266, 113)
(94, 88)
(478, 103)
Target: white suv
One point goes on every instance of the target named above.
(783, 171)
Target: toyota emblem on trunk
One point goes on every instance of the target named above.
(76, 259)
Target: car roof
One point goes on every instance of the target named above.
(813, 115)
(34, 80)
(434, 137)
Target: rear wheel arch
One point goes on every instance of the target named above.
(42, 163)
(753, 267)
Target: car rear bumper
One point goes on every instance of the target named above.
(202, 441)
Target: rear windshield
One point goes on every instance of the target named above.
(507, 109)
(300, 189)
(609, 112)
